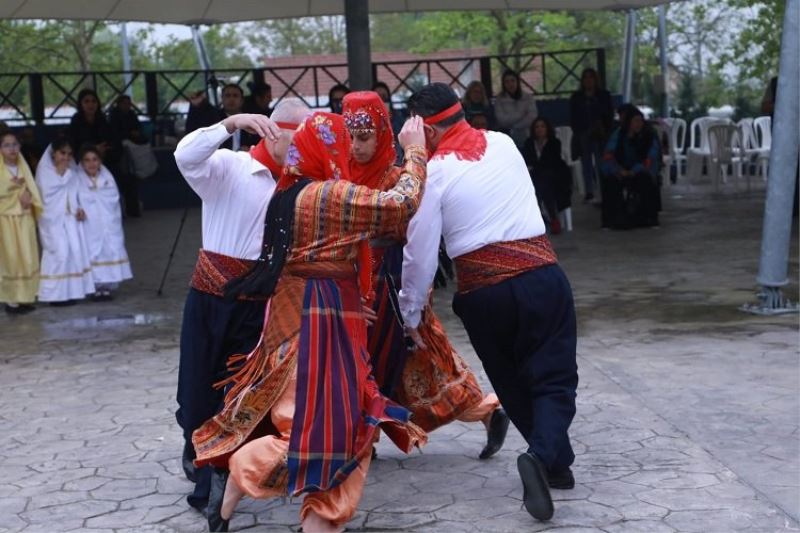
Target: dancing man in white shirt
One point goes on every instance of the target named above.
(235, 188)
(513, 298)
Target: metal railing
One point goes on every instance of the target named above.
(50, 98)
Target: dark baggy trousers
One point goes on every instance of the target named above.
(213, 329)
(523, 330)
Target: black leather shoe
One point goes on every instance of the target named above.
(562, 480)
(536, 494)
(187, 461)
(496, 434)
(219, 478)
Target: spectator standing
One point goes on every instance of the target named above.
(66, 273)
(335, 97)
(89, 126)
(124, 124)
(20, 205)
(591, 117)
(99, 198)
(202, 114)
(514, 109)
(259, 99)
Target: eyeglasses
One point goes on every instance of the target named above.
(10, 145)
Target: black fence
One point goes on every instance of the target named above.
(50, 98)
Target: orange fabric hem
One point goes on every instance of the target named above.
(481, 410)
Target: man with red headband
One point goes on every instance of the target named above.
(513, 298)
(235, 188)
(435, 384)
(302, 410)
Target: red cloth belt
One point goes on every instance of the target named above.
(500, 261)
(214, 270)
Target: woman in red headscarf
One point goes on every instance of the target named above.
(435, 384)
(302, 409)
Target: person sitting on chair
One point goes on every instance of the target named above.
(630, 175)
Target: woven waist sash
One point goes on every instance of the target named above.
(214, 270)
(321, 269)
(500, 261)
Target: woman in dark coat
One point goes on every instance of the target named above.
(550, 174)
(630, 171)
(591, 115)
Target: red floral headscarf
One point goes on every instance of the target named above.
(364, 111)
(320, 150)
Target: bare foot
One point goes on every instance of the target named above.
(231, 499)
(313, 523)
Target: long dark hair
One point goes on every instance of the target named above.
(641, 142)
(551, 131)
(589, 71)
(83, 94)
(518, 93)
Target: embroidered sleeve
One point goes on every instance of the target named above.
(372, 212)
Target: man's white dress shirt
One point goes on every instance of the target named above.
(471, 204)
(234, 187)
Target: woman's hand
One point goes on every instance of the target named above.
(413, 133)
(80, 215)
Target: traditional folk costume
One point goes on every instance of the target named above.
(19, 250)
(99, 198)
(66, 267)
(513, 298)
(235, 188)
(435, 384)
(302, 410)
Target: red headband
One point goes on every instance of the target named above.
(443, 115)
(287, 125)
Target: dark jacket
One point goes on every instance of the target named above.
(549, 172)
(81, 132)
(206, 115)
(122, 124)
(591, 114)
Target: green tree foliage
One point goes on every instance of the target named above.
(756, 48)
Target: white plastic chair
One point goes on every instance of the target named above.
(725, 146)
(749, 142)
(763, 134)
(564, 134)
(677, 145)
(699, 151)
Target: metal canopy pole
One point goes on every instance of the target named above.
(126, 59)
(627, 60)
(205, 64)
(359, 60)
(774, 264)
(662, 39)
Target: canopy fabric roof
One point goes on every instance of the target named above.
(215, 11)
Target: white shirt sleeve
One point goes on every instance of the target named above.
(200, 160)
(421, 252)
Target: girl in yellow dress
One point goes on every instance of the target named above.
(20, 206)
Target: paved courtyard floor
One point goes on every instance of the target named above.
(687, 419)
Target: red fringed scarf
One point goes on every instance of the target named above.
(365, 112)
(260, 153)
(463, 141)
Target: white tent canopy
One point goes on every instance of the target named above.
(218, 11)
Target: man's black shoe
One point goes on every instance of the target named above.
(187, 461)
(496, 434)
(536, 494)
(562, 480)
(219, 478)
